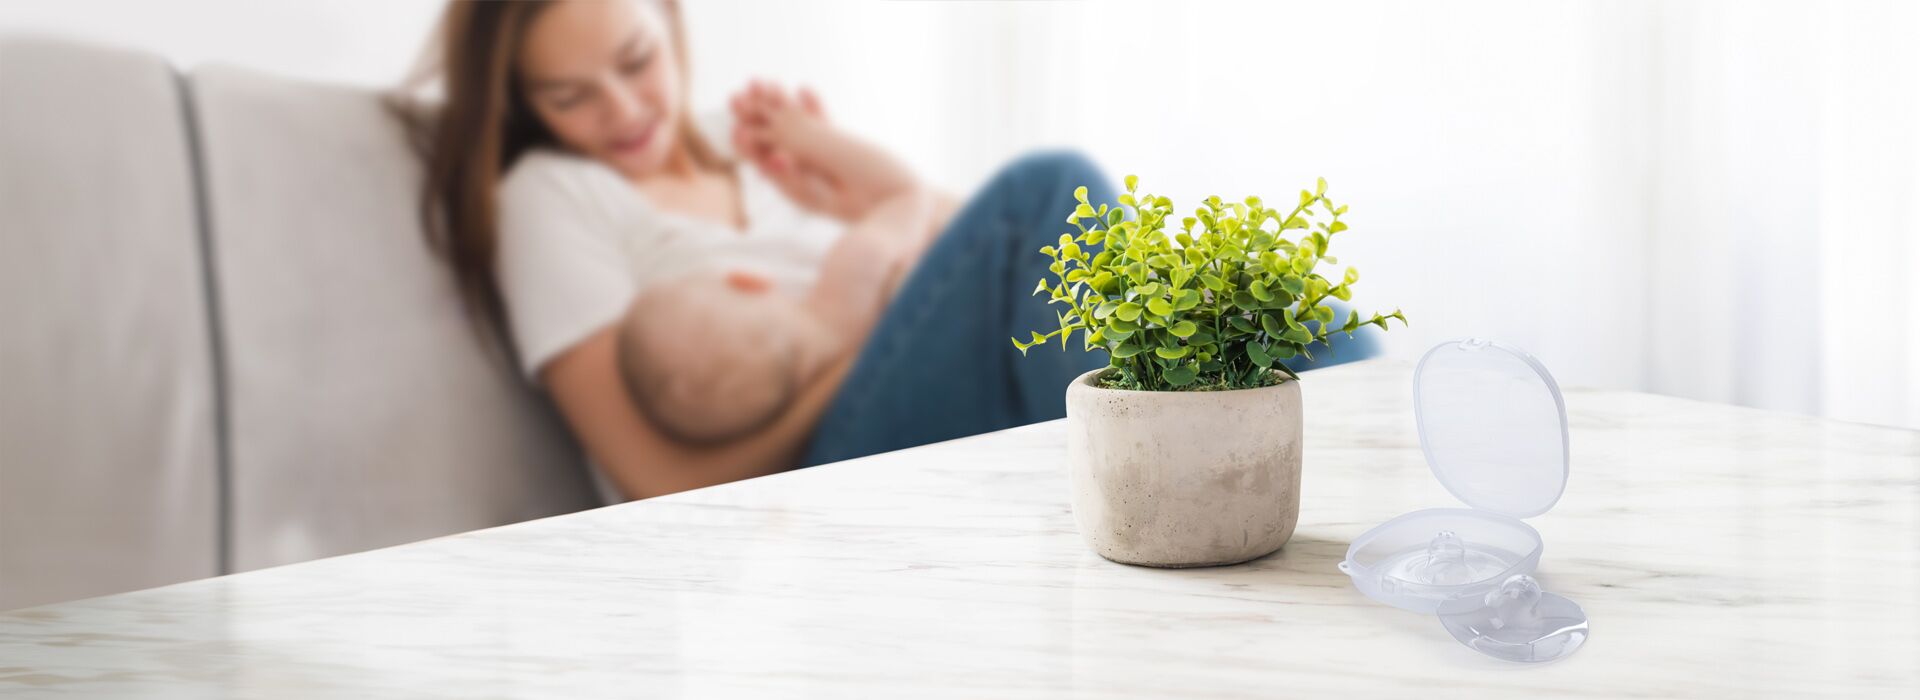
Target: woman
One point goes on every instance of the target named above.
(565, 174)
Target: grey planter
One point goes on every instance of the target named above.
(1184, 478)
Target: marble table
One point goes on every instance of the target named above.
(1720, 552)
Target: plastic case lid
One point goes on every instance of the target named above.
(1493, 426)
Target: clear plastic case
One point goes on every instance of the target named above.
(1493, 426)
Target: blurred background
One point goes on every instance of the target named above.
(226, 347)
(1713, 200)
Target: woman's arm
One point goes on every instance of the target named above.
(585, 381)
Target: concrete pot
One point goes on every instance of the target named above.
(1184, 478)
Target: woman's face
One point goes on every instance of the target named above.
(604, 79)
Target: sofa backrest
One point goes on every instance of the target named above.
(108, 465)
(364, 411)
(224, 343)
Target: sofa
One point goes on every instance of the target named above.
(224, 342)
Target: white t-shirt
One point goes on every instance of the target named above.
(577, 242)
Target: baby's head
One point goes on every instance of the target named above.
(710, 357)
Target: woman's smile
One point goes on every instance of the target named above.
(636, 142)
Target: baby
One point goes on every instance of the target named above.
(713, 356)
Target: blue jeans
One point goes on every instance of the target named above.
(940, 363)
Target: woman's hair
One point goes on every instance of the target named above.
(479, 127)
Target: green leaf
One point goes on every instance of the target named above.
(1079, 194)
(1186, 299)
(1272, 325)
(1321, 188)
(1259, 291)
(1183, 329)
(1159, 306)
(1083, 211)
(1240, 323)
(1298, 335)
(1212, 282)
(1294, 284)
(1353, 276)
(1259, 356)
(1128, 311)
(1126, 350)
(1179, 376)
(1132, 181)
(1166, 353)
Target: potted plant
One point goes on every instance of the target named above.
(1185, 450)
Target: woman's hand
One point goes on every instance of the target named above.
(819, 166)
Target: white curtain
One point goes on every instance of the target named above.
(1785, 181)
(1714, 200)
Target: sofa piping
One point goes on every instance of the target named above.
(216, 331)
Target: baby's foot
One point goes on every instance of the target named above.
(814, 162)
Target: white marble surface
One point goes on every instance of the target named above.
(1719, 551)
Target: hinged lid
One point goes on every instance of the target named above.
(1493, 426)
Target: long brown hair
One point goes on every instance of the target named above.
(481, 125)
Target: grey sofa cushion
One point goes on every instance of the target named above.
(363, 410)
(107, 425)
